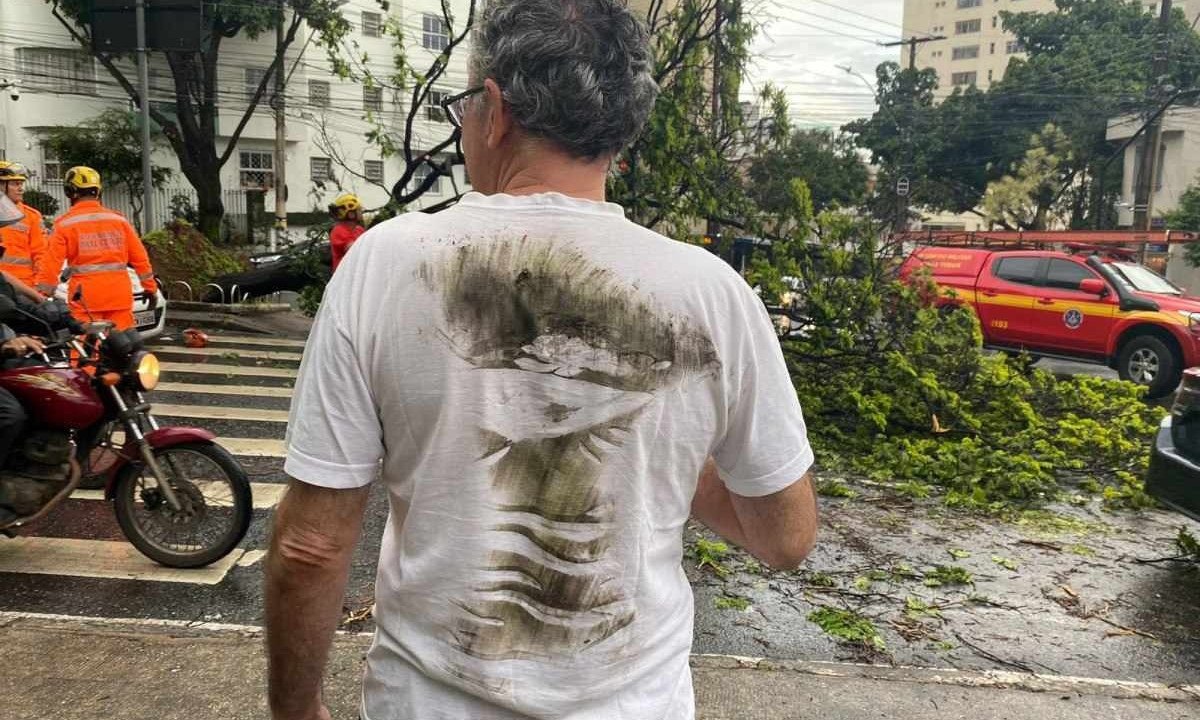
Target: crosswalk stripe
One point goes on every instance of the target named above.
(266, 495)
(260, 342)
(231, 353)
(229, 370)
(246, 390)
(205, 412)
(244, 447)
(107, 559)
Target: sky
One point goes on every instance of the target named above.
(804, 41)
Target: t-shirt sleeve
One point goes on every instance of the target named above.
(334, 436)
(765, 447)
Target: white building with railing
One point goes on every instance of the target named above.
(328, 117)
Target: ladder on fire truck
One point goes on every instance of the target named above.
(1044, 239)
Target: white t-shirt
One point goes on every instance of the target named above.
(542, 380)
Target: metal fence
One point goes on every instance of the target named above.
(165, 203)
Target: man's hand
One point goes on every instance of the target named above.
(151, 300)
(21, 346)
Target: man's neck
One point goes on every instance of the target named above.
(551, 171)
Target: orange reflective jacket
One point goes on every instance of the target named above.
(97, 245)
(24, 246)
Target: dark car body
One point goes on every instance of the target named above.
(1174, 476)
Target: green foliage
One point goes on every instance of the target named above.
(712, 555)
(731, 602)
(1186, 216)
(848, 626)
(948, 575)
(1006, 563)
(916, 609)
(1188, 545)
(179, 251)
(311, 259)
(43, 202)
(958, 553)
(835, 488)
(902, 392)
(816, 170)
(112, 144)
(1029, 199)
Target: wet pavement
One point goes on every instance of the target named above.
(1057, 592)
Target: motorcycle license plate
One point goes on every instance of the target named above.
(143, 318)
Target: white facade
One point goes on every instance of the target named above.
(60, 85)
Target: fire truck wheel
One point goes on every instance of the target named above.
(1147, 360)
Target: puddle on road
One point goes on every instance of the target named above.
(1058, 592)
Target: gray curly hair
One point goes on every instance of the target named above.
(575, 72)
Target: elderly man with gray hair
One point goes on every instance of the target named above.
(547, 392)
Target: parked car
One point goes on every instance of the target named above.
(150, 323)
(1082, 305)
(1174, 476)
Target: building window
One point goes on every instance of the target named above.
(963, 78)
(993, 21)
(59, 70)
(423, 171)
(373, 99)
(257, 169)
(1014, 46)
(372, 24)
(52, 167)
(989, 75)
(433, 106)
(373, 170)
(965, 27)
(967, 52)
(435, 35)
(254, 78)
(320, 169)
(992, 51)
(318, 93)
(964, 4)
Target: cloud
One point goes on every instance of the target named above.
(802, 44)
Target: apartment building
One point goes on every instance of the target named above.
(328, 118)
(976, 49)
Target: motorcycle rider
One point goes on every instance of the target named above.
(25, 240)
(12, 415)
(98, 244)
(348, 225)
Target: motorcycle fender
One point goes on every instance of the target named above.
(160, 438)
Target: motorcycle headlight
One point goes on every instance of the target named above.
(147, 370)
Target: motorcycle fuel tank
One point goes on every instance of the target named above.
(61, 398)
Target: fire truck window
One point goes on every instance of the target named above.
(1017, 269)
(1066, 275)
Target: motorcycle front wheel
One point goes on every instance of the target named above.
(215, 500)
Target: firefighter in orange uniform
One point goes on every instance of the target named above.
(97, 245)
(25, 241)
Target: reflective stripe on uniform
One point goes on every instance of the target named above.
(147, 276)
(89, 217)
(23, 262)
(20, 227)
(76, 270)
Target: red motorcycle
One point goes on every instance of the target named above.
(179, 497)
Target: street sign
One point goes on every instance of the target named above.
(171, 25)
(902, 187)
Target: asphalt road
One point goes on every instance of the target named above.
(1060, 596)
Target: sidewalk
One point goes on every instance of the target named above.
(67, 669)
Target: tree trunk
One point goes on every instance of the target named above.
(209, 208)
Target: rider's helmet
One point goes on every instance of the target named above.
(12, 171)
(344, 206)
(81, 180)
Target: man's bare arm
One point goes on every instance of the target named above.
(316, 530)
(779, 529)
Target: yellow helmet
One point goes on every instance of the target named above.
(345, 204)
(82, 178)
(12, 171)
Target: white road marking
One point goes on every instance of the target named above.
(242, 390)
(245, 447)
(258, 341)
(250, 557)
(10, 616)
(230, 353)
(266, 495)
(206, 412)
(101, 559)
(229, 370)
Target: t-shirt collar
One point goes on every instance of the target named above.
(540, 201)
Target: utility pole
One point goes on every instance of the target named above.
(712, 230)
(1143, 201)
(144, 91)
(280, 233)
(903, 185)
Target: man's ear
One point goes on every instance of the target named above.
(499, 119)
